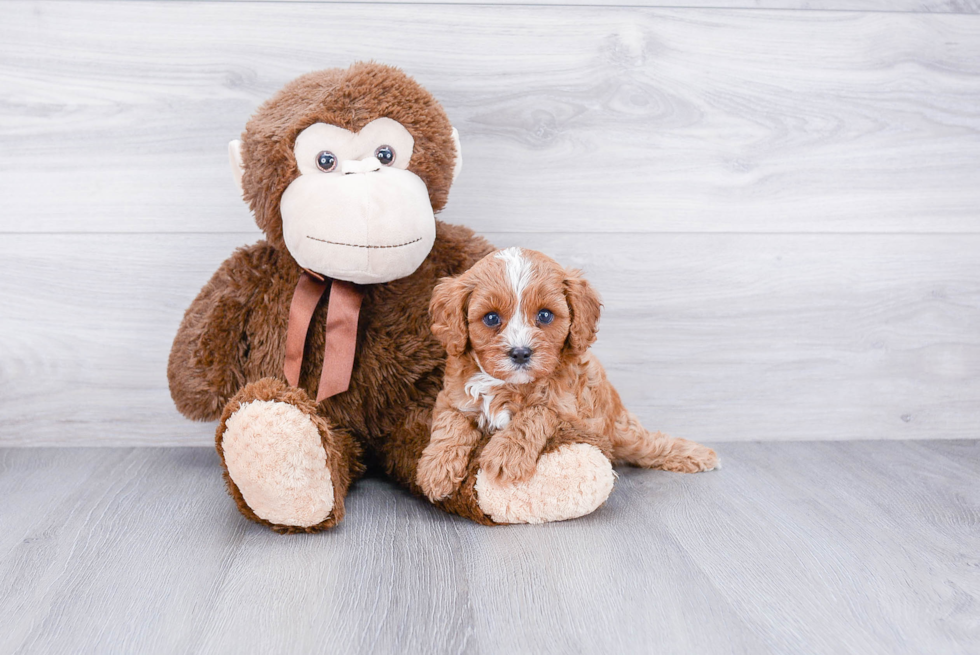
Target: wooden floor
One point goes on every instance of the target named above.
(833, 547)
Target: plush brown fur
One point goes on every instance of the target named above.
(567, 392)
(230, 346)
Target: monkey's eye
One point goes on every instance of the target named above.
(491, 320)
(385, 155)
(326, 161)
(545, 316)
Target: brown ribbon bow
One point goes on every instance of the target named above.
(343, 307)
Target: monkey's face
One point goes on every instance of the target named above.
(345, 168)
(356, 212)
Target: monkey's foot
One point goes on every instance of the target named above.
(281, 459)
(569, 482)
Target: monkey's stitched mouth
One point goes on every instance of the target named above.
(357, 245)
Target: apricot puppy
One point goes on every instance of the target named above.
(517, 328)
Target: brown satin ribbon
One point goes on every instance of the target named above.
(343, 307)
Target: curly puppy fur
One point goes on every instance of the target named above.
(517, 327)
(230, 347)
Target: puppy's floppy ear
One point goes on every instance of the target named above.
(584, 306)
(448, 312)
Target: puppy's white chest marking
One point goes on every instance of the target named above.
(479, 390)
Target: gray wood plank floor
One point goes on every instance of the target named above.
(833, 547)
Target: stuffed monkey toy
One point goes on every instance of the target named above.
(313, 346)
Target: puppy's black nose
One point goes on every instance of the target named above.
(520, 356)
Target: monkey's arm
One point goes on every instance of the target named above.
(209, 352)
(512, 454)
(443, 464)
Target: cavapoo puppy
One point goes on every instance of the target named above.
(517, 328)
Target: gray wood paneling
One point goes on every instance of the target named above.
(114, 116)
(702, 164)
(916, 6)
(864, 547)
(714, 336)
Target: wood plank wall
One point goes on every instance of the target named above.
(778, 199)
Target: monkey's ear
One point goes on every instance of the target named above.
(458, 166)
(448, 311)
(237, 167)
(584, 306)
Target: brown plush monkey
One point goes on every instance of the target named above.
(314, 346)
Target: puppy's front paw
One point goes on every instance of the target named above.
(441, 470)
(508, 461)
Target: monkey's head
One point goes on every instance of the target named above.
(346, 168)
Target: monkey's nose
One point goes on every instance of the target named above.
(520, 356)
(366, 165)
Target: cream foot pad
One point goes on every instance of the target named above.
(569, 482)
(276, 459)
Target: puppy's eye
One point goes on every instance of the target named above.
(491, 320)
(545, 316)
(326, 161)
(385, 155)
